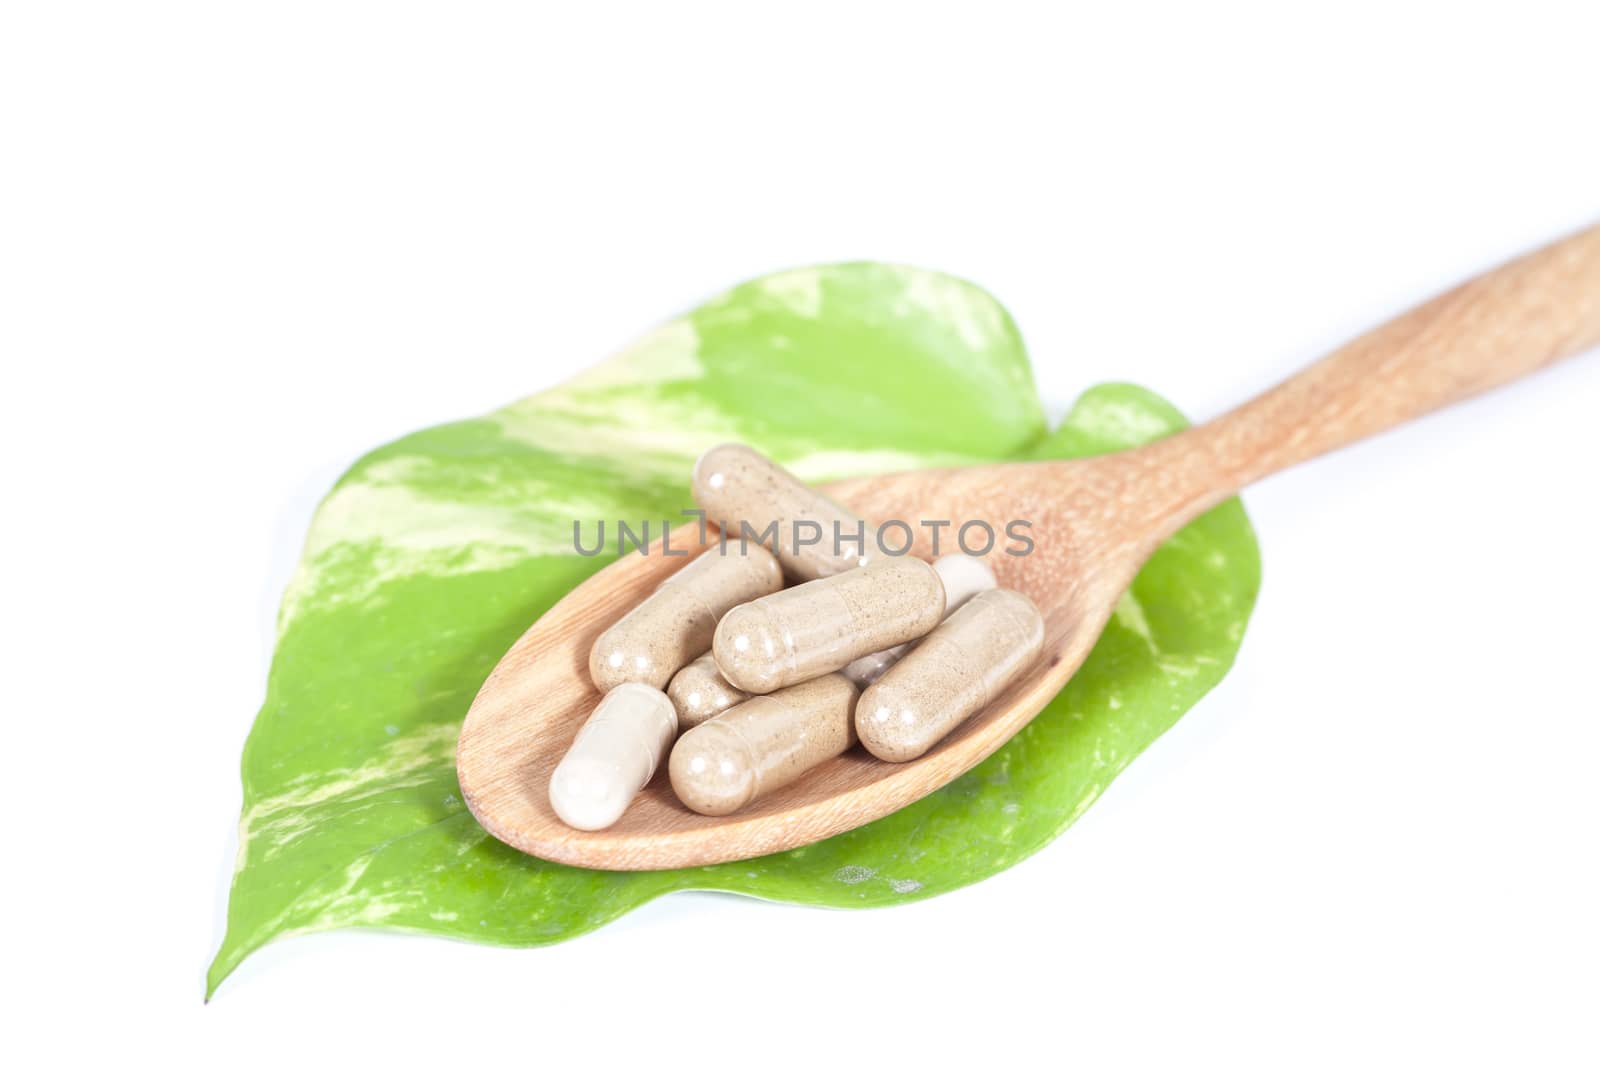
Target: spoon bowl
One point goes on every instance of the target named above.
(1093, 522)
(532, 705)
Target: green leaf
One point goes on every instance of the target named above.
(433, 553)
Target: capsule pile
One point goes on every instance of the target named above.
(740, 685)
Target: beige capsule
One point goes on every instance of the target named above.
(815, 535)
(963, 578)
(675, 623)
(700, 692)
(817, 627)
(762, 745)
(956, 670)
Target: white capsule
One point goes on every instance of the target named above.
(963, 578)
(614, 756)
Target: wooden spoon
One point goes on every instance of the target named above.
(1095, 521)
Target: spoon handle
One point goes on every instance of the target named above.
(1491, 330)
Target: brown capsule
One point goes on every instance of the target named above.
(763, 744)
(955, 671)
(817, 627)
(813, 535)
(963, 578)
(675, 623)
(700, 692)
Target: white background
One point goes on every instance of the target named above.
(241, 245)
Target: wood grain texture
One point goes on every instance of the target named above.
(1095, 521)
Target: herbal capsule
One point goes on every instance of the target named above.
(700, 692)
(817, 627)
(815, 536)
(957, 669)
(613, 757)
(963, 577)
(763, 744)
(675, 623)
